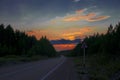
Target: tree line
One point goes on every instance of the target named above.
(15, 42)
(108, 43)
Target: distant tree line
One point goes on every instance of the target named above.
(15, 42)
(108, 43)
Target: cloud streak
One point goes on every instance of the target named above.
(76, 0)
(99, 18)
(80, 15)
(39, 33)
(69, 34)
(74, 33)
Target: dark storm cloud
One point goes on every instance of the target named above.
(64, 41)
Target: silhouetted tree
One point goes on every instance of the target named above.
(19, 43)
(108, 43)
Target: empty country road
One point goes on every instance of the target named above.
(60, 68)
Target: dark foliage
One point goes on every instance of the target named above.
(18, 43)
(108, 43)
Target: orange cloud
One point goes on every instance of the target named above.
(98, 18)
(72, 33)
(60, 47)
(90, 17)
(79, 15)
(81, 11)
(33, 33)
(39, 33)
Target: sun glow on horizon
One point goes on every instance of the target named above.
(61, 47)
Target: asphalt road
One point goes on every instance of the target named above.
(60, 68)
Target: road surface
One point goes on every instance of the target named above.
(60, 68)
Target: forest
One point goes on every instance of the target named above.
(15, 42)
(108, 43)
(102, 55)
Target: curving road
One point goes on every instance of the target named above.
(60, 68)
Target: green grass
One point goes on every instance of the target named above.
(100, 66)
(13, 59)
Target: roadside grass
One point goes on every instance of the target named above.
(13, 59)
(99, 66)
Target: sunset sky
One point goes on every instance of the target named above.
(60, 19)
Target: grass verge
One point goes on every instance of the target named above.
(13, 59)
(99, 66)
